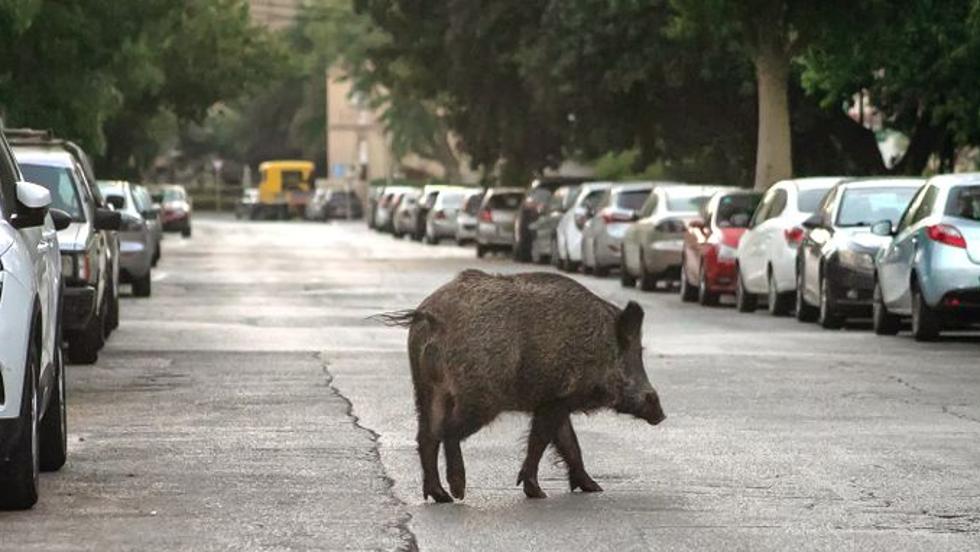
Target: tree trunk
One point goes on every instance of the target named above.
(774, 159)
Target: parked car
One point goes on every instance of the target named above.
(87, 245)
(535, 200)
(335, 204)
(466, 217)
(544, 230)
(710, 243)
(420, 213)
(440, 218)
(33, 417)
(766, 257)
(835, 262)
(387, 202)
(153, 216)
(495, 226)
(405, 209)
(373, 198)
(930, 270)
(602, 234)
(246, 208)
(652, 247)
(568, 236)
(176, 207)
(137, 239)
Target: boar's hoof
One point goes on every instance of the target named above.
(457, 487)
(585, 483)
(438, 494)
(531, 488)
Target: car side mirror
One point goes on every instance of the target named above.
(882, 228)
(151, 213)
(60, 219)
(815, 221)
(107, 219)
(117, 202)
(32, 205)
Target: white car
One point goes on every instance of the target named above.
(766, 257)
(568, 237)
(33, 430)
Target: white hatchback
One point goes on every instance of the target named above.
(33, 434)
(766, 257)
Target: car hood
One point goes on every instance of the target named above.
(73, 237)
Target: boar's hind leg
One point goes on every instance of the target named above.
(567, 444)
(455, 470)
(544, 426)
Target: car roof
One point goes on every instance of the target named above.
(631, 187)
(882, 182)
(42, 155)
(506, 190)
(813, 182)
(958, 179)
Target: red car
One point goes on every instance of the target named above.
(708, 257)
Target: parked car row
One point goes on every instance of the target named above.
(825, 249)
(67, 242)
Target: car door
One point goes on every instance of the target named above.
(895, 267)
(640, 233)
(751, 259)
(814, 244)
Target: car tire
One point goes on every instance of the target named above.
(142, 287)
(572, 266)
(84, 346)
(926, 324)
(600, 271)
(112, 314)
(186, 232)
(625, 278)
(689, 293)
(804, 312)
(648, 282)
(20, 472)
(481, 251)
(556, 260)
(744, 300)
(53, 431)
(885, 323)
(829, 318)
(522, 247)
(706, 297)
(779, 304)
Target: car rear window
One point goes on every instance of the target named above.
(809, 200)
(864, 207)
(736, 210)
(540, 195)
(964, 202)
(473, 203)
(686, 201)
(505, 201)
(593, 198)
(632, 199)
(60, 182)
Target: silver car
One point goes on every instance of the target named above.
(440, 220)
(406, 211)
(154, 219)
(931, 269)
(466, 217)
(495, 221)
(138, 242)
(602, 235)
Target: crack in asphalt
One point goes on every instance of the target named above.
(409, 541)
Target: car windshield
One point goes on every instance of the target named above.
(809, 200)
(507, 202)
(734, 211)
(61, 184)
(687, 201)
(631, 200)
(964, 202)
(173, 194)
(864, 207)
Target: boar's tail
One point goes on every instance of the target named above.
(403, 318)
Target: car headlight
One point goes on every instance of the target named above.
(726, 253)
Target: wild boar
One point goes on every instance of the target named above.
(539, 343)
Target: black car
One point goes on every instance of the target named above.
(835, 265)
(535, 202)
(543, 230)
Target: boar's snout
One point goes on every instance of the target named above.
(652, 411)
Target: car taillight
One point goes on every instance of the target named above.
(609, 216)
(486, 216)
(946, 234)
(793, 235)
(84, 267)
(439, 215)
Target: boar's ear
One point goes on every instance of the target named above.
(629, 324)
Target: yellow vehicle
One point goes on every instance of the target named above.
(284, 189)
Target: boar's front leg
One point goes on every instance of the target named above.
(544, 426)
(567, 444)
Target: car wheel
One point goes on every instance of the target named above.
(556, 260)
(21, 470)
(828, 318)
(53, 430)
(600, 271)
(744, 301)
(804, 312)
(925, 322)
(112, 315)
(84, 346)
(522, 247)
(480, 251)
(689, 293)
(779, 303)
(705, 296)
(885, 323)
(625, 278)
(186, 232)
(142, 286)
(648, 282)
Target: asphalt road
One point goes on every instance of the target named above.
(249, 405)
